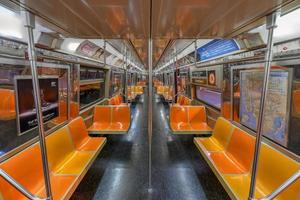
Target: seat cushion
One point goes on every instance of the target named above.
(226, 163)
(181, 126)
(118, 126)
(200, 127)
(75, 163)
(96, 126)
(210, 144)
(92, 144)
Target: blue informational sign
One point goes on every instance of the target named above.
(217, 47)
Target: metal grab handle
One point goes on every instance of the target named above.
(19, 187)
(282, 187)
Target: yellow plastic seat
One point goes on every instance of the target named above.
(63, 157)
(220, 136)
(274, 168)
(237, 157)
(81, 138)
(26, 168)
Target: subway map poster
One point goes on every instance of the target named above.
(275, 121)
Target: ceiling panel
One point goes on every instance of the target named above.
(130, 19)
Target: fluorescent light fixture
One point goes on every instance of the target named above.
(73, 46)
(10, 24)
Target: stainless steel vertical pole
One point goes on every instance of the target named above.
(150, 110)
(30, 25)
(271, 25)
(104, 49)
(126, 76)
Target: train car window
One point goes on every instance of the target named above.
(116, 82)
(209, 96)
(17, 118)
(92, 86)
(182, 82)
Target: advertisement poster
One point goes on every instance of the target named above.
(217, 47)
(26, 111)
(212, 78)
(275, 121)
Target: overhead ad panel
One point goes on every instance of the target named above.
(217, 48)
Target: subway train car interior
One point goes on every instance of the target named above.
(149, 99)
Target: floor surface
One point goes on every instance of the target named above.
(178, 170)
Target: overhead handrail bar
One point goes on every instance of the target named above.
(19, 187)
(283, 186)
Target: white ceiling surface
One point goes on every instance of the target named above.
(11, 26)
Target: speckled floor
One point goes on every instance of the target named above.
(121, 170)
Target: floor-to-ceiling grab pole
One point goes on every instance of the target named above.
(271, 25)
(150, 110)
(126, 76)
(30, 25)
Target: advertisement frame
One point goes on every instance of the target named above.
(19, 133)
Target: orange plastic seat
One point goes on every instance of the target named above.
(63, 157)
(238, 156)
(160, 90)
(197, 118)
(111, 119)
(120, 118)
(26, 168)
(274, 168)
(296, 102)
(81, 138)
(189, 119)
(7, 104)
(102, 118)
(220, 136)
(179, 119)
(186, 101)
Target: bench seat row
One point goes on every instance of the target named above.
(116, 100)
(70, 153)
(229, 152)
(110, 120)
(134, 91)
(188, 119)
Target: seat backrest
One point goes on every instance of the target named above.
(226, 109)
(180, 100)
(117, 100)
(78, 131)
(178, 114)
(160, 89)
(120, 114)
(186, 101)
(102, 114)
(197, 114)
(59, 146)
(222, 131)
(296, 101)
(7, 100)
(26, 168)
(120, 100)
(63, 107)
(74, 109)
(241, 147)
(274, 168)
